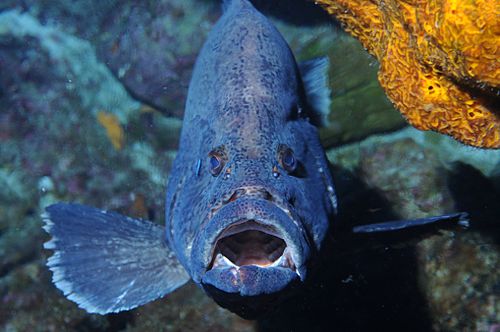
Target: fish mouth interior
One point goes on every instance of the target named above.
(251, 243)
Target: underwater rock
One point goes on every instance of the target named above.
(414, 185)
(459, 276)
(187, 309)
(80, 18)
(448, 151)
(55, 89)
(438, 61)
(19, 227)
(44, 62)
(29, 304)
(151, 47)
(458, 271)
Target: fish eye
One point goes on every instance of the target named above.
(287, 159)
(216, 163)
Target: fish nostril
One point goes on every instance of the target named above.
(260, 193)
(249, 192)
(236, 194)
(267, 195)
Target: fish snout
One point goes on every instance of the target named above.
(256, 191)
(248, 191)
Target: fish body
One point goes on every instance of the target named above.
(247, 110)
(250, 197)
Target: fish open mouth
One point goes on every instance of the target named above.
(251, 243)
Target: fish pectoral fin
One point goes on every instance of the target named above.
(314, 74)
(403, 233)
(396, 234)
(107, 262)
(431, 224)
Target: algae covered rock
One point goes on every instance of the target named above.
(457, 271)
(150, 46)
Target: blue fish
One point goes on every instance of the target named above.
(250, 196)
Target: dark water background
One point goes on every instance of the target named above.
(91, 102)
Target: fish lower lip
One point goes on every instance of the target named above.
(251, 243)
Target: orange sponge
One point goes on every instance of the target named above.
(439, 61)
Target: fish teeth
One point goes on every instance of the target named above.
(223, 261)
(282, 262)
(285, 261)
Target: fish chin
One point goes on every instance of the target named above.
(249, 280)
(253, 291)
(251, 247)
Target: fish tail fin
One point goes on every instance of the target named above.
(314, 74)
(106, 262)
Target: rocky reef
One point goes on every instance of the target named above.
(92, 95)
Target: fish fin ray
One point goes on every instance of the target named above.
(314, 74)
(396, 234)
(433, 223)
(107, 262)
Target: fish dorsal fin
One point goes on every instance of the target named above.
(226, 4)
(314, 74)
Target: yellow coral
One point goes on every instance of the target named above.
(439, 60)
(113, 129)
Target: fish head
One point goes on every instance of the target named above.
(267, 212)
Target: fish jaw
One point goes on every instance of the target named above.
(250, 247)
(249, 280)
